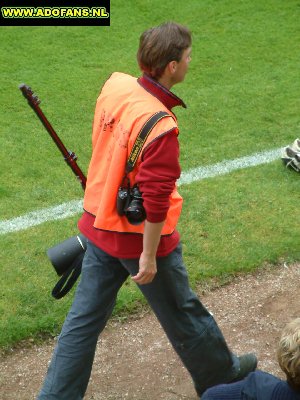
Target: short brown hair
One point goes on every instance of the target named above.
(289, 353)
(161, 45)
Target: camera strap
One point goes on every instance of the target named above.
(142, 137)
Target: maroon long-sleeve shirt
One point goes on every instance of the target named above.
(158, 172)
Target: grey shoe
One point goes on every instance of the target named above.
(248, 363)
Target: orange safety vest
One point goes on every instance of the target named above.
(122, 109)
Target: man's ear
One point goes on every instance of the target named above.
(172, 66)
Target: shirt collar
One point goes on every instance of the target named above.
(168, 98)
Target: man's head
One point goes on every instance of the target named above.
(289, 353)
(166, 46)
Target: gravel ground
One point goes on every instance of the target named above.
(134, 360)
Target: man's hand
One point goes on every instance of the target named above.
(147, 264)
(147, 270)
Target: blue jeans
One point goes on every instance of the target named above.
(190, 328)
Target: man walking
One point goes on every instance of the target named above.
(140, 240)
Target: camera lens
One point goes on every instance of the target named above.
(135, 213)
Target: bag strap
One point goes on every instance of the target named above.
(142, 137)
(68, 279)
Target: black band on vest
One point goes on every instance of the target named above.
(142, 137)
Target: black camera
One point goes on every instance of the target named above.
(130, 204)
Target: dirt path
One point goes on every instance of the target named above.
(134, 360)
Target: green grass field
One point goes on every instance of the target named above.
(242, 93)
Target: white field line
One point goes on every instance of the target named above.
(38, 217)
(224, 167)
(75, 206)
